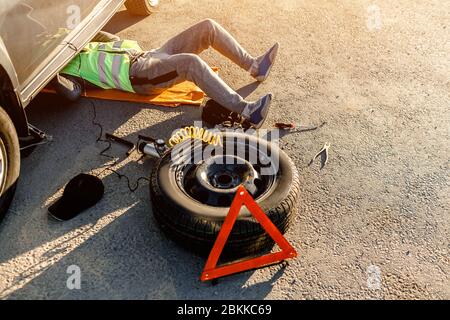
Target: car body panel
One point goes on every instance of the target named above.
(6, 63)
(53, 31)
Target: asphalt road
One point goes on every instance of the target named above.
(374, 223)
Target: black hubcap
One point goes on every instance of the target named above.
(215, 181)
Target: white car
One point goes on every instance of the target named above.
(37, 39)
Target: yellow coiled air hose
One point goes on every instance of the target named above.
(195, 133)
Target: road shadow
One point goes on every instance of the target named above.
(121, 21)
(248, 89)
(73, 149)
(129, 258)
(117, 244)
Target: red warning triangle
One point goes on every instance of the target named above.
(212, 271)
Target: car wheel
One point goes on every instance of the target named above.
(141, 7)
(191, 200)
(9, 161)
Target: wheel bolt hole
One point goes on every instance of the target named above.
(258, 183)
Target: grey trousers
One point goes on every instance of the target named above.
(180, 54)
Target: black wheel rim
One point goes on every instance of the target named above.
(214, 181)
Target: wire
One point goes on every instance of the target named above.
(70, 45)
(103, 153)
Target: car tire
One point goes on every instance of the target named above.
(195, 225)
(141, 7)
(9, 162)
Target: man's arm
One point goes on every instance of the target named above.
(67, 86)
(103, 36)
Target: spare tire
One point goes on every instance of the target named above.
(191, 199)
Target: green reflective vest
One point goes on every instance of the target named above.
(104, 64)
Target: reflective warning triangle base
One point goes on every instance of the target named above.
(212, 271)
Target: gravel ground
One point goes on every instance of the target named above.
(372, 224)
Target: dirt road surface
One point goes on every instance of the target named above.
(374, 223)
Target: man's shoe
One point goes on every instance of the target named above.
(256, 112)
(264, 64)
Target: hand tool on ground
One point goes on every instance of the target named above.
(323, 153)
(295, 127)
(129, 144)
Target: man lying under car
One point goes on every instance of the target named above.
(110, 63)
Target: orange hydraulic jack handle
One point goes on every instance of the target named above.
(212, 271)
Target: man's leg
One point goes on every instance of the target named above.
(191, 67)
(188, 67)
(205, 34)
(208, 33)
